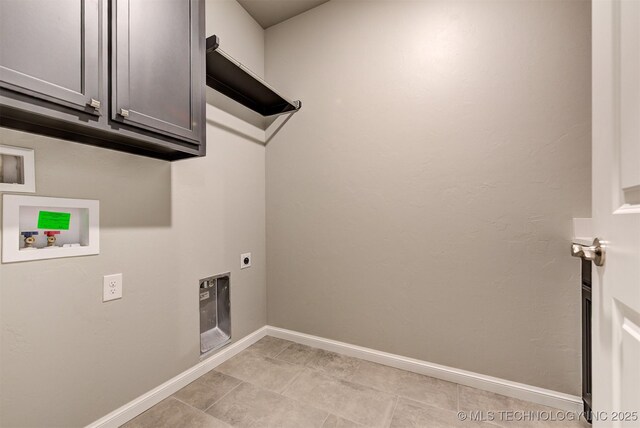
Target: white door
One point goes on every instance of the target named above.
(616, 212)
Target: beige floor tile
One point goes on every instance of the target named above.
(351, 401)
(409, 413)
(259, 370)
(334, 421)
(251, 406)
(269, 346)
(297, 354)
(470, 399)
(207, 389)
(175, 414)
(511, 412)
(425, 389)
(330, 363)
(307, 387)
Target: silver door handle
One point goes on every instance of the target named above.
(596, 252)
(124, 112)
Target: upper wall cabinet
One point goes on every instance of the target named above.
(57, 56)
(55, 77)
(162, 92)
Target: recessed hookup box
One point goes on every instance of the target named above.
(36, 228)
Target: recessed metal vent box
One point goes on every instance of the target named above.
(215, 312)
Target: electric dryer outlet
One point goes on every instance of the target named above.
(245, 260)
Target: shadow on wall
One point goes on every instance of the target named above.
(254, 137)
(231, 116)
(134, 191)
(234, 108)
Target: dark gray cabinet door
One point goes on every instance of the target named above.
(52, 50)
(157, 66)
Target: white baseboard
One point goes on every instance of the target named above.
(521, 391)
(517, 390)
(156, 395)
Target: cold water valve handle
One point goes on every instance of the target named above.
(29, 239)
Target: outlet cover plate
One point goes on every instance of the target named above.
(244, 263)
(112, 287)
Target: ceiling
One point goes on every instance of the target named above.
(272, 12)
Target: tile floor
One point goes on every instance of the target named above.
(277, 383)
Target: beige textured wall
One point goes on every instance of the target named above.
(421, 201)
(66, 358)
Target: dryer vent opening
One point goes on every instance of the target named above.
(215, 312)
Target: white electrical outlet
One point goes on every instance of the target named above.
(245, 260)
(112, 287)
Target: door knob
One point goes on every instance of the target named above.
(595, 252)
